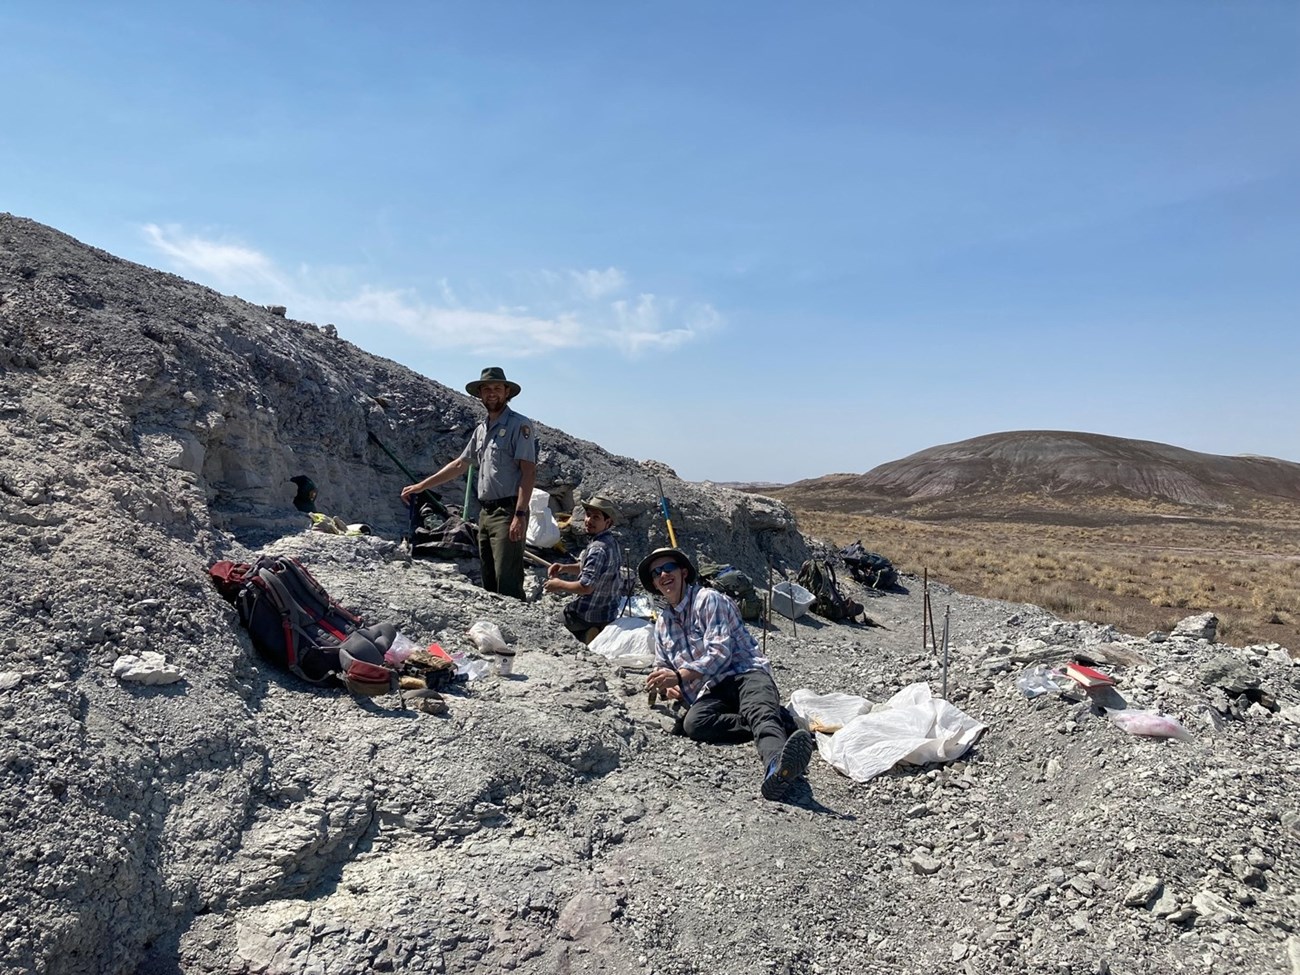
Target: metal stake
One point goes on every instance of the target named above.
(945, 652)
(767, 616)
(925, 605)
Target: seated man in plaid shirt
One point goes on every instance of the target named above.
(706, 658)
(599, 572)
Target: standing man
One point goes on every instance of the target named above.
(599, 573)
(706, 657)
(504, 449)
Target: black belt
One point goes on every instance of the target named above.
(498, 504)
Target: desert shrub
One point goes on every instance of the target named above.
(1139, 576)
(1059, 600)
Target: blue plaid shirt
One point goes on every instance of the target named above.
(602, 569)
(704, 633)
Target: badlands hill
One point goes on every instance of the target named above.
(236, 820)
(1020, 469)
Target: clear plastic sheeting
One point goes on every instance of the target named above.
(912, 727)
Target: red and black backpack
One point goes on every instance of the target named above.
(295, 625)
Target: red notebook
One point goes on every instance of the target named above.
(1087, 677)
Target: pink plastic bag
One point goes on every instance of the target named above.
(1149, 723)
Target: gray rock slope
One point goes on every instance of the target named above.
(237, 820)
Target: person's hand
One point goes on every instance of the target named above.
(553, 585)
(408, 491)
(517, 525)
(673, 694)
(663, 680)
(553, 570)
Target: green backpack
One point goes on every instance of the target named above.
(737, 585)
(818, 577)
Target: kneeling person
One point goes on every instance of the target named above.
(706, 657)
(599, 574)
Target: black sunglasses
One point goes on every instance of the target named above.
(658, 570)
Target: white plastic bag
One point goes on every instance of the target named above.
(1149, 724)
(913, 726)
(627, 636)
(826, 713)
(542, 532)
(487, 637)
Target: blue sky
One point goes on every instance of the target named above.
(756, 241)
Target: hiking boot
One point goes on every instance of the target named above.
(787, 767)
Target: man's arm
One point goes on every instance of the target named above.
(663, 676)
(453, 469)
(555, 584)
(519, 523)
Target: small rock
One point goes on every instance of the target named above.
(1142, 891)
(148, 667)
(925, 866)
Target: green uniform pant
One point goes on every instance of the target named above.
(503, 560)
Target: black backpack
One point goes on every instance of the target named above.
(818, 577)
(737, 585)
(296, 626)
(449, 538)
(870, 569)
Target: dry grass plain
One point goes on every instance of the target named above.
(1141, 566)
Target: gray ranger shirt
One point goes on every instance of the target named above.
(496, 452)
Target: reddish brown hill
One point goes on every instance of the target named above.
(1014, 469)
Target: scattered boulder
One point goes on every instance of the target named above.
(1201, 627)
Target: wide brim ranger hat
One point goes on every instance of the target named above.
(602, 504)
(494, 374)
(676, 554)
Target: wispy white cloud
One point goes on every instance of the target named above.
(594, 285)
(651, 324)
(487, 332)
(224, 263)
(548, 311)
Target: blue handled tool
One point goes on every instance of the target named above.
(663, 507)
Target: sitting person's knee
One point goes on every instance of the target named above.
(693, 725)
